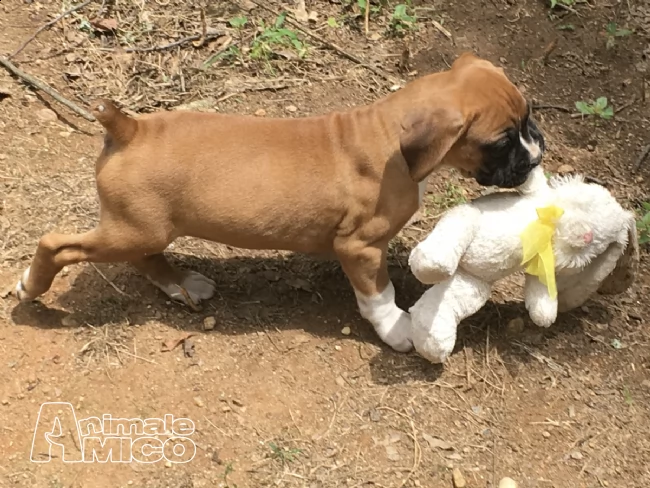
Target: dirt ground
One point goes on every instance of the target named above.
(278, 394)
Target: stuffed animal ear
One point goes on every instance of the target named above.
(426, 138)
(627, 266)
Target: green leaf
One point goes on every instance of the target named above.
(279, 22)
(646, 205)
(362, 4)
(611, 28)
(553, 3)
(601, 103)
(608, 113)
(332, 23)
(623, 32)
(644, 239)
(238, 22)
(584, 108)
(570, 27)
(400, 11)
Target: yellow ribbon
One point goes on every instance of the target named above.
(537, 241)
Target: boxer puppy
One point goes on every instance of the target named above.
(342, 183)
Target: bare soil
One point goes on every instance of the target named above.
(278, 394)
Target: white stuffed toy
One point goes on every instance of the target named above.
(570, 237)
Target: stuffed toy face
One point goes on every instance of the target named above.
(591, 222)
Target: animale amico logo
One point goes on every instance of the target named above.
(59, 435)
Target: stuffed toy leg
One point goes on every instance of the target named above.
(442, 307)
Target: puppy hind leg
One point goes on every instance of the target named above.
(106, 243)
(188, 287)
(366, 268)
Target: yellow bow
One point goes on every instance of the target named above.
(537, 240)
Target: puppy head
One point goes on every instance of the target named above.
(474, 119)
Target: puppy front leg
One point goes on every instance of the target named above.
(541, 307)
(367, 270)
(436, 258)
(436, 315)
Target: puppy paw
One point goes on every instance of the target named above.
(21, 291)
(192, 290)
(397, 333)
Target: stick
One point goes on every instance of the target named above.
(47, 89)
(330, 45)
(49, 24)
(641, 158)
(366, 19)
(108, 281)
(210, 35)
(553, 107)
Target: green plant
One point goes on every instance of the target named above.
(452, 195)
(612, 31)
(643, 225)
(283, 454)
(600, 107)
(229, 469)
(276, 36)
(569, 27)
(238, 22)
(565, 3)
(403, 18)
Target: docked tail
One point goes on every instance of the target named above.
(119, 126)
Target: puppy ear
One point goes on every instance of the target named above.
(426, 138)
(464, 59)
(627, 266)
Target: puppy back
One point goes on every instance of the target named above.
(120, 127)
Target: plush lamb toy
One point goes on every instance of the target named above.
(570, 237)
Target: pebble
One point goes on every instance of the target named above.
(340, 381)
(69, 321)
(346, 331)
(292, 108)
(209, 323)
(3, 157)
(565, 168)
(260, 113)
(46, 115)
(5, 401)
(515, 326)
(572, 411)
(546, 434)
(507, 483)
(458, 478)
(577, 455)
(168, 464)
(199, 402)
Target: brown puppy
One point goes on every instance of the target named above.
(342, 183)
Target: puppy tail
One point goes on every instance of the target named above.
(120, 127)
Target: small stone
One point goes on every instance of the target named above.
(375, 416)
(5, 401)
(515, 326)
(577, 455)
(458, 478)
(69, 321)
(507, 483)
(292, 108)
(572, 411)
(546, 434)
(392, 453)
(346, 331)
(209, 323)
(198, 401)
(47, 115)
(168, 464)
(3, 157)
(260, 113)
(340, 381)
(590, 148)
(565, 168)
(646, 384)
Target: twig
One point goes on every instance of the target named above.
(367, 17)
(552, 107)
(209, 35)
(440, 28)
(46, 88)
(49, 24)
(331, 45)
(107, 280)
(642, 157)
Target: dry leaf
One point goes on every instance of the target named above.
(172, 344)
(104, 24)
(435, 443)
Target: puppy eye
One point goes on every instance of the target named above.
(502, 143)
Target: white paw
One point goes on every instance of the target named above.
(21, 293)
(197, 286)
(397, 332)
